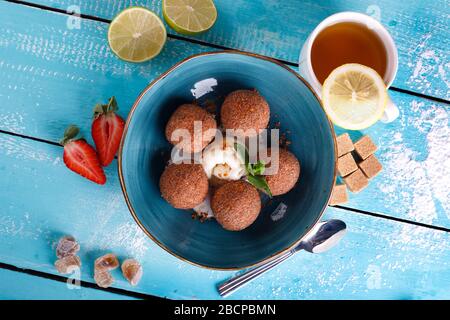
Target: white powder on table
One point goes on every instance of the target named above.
(428, 68)
(127, 236)
(424, 182)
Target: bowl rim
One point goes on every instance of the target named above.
(130, 116)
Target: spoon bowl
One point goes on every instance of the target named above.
(323, 237)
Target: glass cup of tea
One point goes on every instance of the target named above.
(349, 37)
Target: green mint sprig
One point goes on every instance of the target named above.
(254, 171)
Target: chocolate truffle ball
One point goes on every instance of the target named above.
(184, 186)
(236, 205)
(184, 118)
(287, 175)
(245, 110)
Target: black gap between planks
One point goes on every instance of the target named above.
(383, 216)
(83, 284)
(19, 135)
(211, 45)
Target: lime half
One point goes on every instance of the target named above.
(354, 96)
(136, 35)
(189, 17)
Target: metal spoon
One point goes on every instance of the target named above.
(324, 236)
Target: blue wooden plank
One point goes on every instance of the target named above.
(278, 29)
(20, 286)
(53, 76)
(41, 200)
(415, 155)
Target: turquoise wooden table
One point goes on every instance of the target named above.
(398, 244)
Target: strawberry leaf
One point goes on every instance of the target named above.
(99, 109)
(112, 104)
(105, 108)
(70, 133)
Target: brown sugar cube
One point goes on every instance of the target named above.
(339, 195)
(344, 144)
(356, 181)
(370, 167)
(346, 165)
(365, 147)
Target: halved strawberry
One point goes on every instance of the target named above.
(80, 157)
(107, 130)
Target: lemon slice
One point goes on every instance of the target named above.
(354, 96)
(136, 35)
(189, 17)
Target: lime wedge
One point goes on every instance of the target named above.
(136, 35)
(189, 17)
(354, 96)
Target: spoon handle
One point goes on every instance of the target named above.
(233, 284)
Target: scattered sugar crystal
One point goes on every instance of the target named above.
(132, 271)
(103, 279)
(67, 246)
(107, 262)
(67, 264)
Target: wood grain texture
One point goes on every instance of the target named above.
(279, 28)
(415, 155)
(42, 201)
(49, 71)
(21, 286)
(54, 76)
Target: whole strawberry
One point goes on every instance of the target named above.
(107, 130)
(80, 157)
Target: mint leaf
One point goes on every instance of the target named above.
(260, 183)
(249, 169)
(258, 168)
(254, 171)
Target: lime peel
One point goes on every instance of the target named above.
(189, 17)
(136, 34)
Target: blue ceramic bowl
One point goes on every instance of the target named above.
(142, 160)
